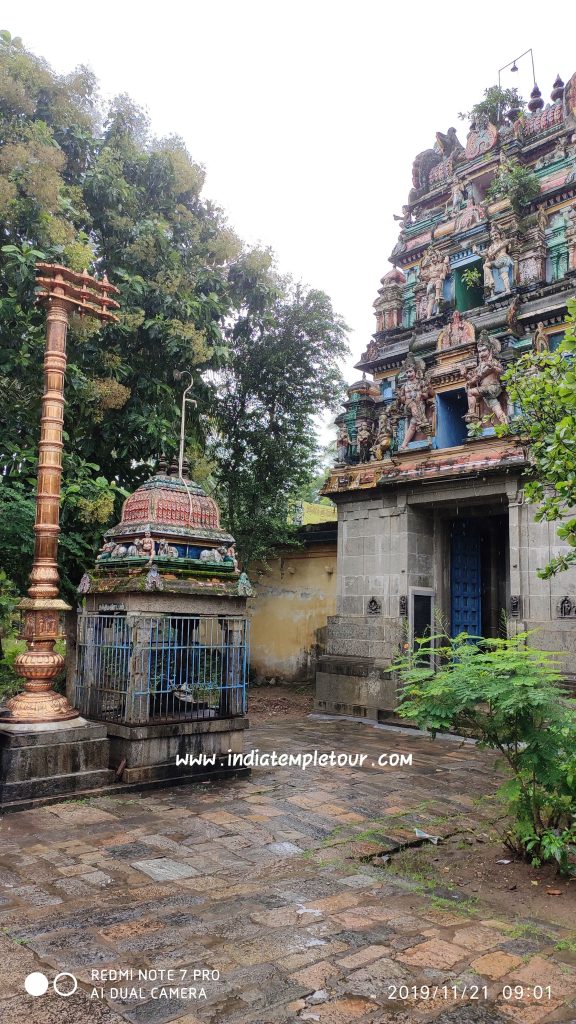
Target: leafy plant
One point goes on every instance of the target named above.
(475, 428)
(544, 387)
(515, 182)
(471, 277)
(496, 103)
(507, 695)
(553, 845)
(8, 602)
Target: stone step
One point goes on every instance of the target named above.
(357, 627)
(52, 760)
(344, 665)
(55, 785)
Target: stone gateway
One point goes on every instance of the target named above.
(432, 521)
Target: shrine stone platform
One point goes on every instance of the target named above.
(148, 753)
(52, 760)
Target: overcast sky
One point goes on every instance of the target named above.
(307, 115)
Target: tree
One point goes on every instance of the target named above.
(544, 387)
(496, 103)
(90, 186)
(282, 371)
(312, 489)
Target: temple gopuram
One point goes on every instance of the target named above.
(432, 521)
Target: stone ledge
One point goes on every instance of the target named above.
(161, 730)
(54, 786)
(170, 772)
(77, 730)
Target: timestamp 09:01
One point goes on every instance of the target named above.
(533, 992)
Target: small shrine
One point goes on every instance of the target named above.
(162, 648)
(431, 512)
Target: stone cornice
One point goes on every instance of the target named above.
(476, 457)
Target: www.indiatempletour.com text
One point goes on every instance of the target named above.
(312, 759)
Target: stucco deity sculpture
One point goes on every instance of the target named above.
(496, 257)
(166, 550)
(106, 550)
(414, 397)
(458, 332)
(481, 137)
(342, 445)
(211, 555)
(384, 434)
(364, 440)
(405, 218)
(84, 585)
(458, 196)
(147, 546)
(540, 342)
(472, 214)
(542, 218)
(143, 547)
(434, 270)
(231, 556)
(484, 381)
(244, 587)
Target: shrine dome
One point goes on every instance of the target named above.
(363, 388)
(168, 504)
(167, 500)
(394, 276)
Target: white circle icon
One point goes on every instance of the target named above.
(36, 984)
(65, 974)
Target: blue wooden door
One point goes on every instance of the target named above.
(465, 578)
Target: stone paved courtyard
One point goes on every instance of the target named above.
(279, 882)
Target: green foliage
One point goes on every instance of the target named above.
(544, 386)
(507, 695)
(311, 491)
(9, 648)
(282, 371)
(471, 277)
(552, 845)
(8, 602)
(88, 185)
(515, 182)
(494, 105)
(475, 427)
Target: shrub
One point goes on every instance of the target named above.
(515, 182)
(507, 695)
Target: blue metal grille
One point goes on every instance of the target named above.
(154, 668)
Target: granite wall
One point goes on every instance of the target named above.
(391, 542)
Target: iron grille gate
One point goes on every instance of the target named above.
(155, 668)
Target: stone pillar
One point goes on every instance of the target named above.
(232, 700)
(138, 691)
(91, 696)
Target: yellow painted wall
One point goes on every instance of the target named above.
(293, 598)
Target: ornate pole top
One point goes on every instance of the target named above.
(79, 292)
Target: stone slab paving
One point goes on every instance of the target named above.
(269, 882)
